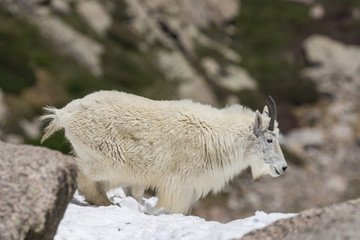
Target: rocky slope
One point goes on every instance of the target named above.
(303, 53)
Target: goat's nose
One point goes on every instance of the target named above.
(284, 168)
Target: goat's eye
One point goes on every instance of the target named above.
(269, 140)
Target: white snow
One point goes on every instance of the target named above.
(126, 220)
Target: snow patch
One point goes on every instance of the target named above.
(126, 220)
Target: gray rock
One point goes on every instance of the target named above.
(61, 6)
(332, 55)
(336, 69)
(232, 78)
(299, 139)
(69, 41)
(13, 138)
(191, 86)
(342, 132)
(95, 15)
(317, 11)
(82, 48)
(159, 21)
(236, 79)
(183, 17)
(175, 66)
(36, 185)
(32, 129)
(3, 109)
(198, 91)
(340, 221)
(210, 66)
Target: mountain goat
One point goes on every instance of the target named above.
(181, 149)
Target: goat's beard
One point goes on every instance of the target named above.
(259, 169)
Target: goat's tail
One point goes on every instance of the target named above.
(51, 113)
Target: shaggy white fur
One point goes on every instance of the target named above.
(181, 149)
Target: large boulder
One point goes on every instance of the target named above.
(36, 184)
(340, 221)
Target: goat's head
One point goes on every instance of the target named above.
(267, 157)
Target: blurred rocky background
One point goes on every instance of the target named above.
(305, 53)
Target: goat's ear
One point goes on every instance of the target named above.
(266, 111)
(258, 123)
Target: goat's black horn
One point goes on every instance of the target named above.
(273, 112)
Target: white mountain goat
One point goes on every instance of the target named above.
(181, 149)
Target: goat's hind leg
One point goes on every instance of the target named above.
(94, 192)
(137, 192)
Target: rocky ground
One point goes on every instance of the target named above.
(303, 53)
(339, 221)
